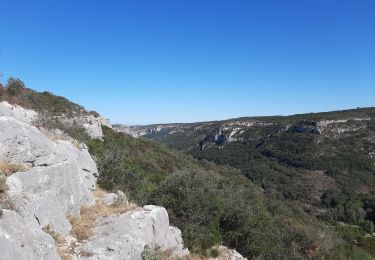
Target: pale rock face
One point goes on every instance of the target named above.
(125, 236)
(24, 239)
(126, 129)
(93, 125)
(59, 182)
(139, 131)
(118, 198)
(109, 199)
(17, 112)
(58, 179)
(229, 254)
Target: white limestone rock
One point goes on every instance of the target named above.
(118, 198)
(23, 239)
(92, 124)
(228, 254)
(109, 199)
(125, 236)
(60, 178)
(17, 112)
(57, 181)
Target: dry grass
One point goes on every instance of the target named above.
(59, 241)
(86, 253)
(9, 168)
(82, 225)
(3, 184)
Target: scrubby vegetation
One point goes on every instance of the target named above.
(15, 92)
(211, 204)
(329, 174)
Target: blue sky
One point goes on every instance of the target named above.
(140, 62)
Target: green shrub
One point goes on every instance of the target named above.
(15, 92)
(194, 206)
(151, 254)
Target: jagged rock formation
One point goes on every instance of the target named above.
(55, 178)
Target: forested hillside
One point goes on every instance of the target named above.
(322, 163)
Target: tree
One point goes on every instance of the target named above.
(14, 86)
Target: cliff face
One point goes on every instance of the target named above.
(46, 184)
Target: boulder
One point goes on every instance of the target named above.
(118, 198)
(109, 199)
(126, 236)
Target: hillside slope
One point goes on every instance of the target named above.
(211, 204)
(324, 163)
(334, 151)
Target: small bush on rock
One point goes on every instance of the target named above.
(151, 254)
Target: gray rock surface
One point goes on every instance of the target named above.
(109, 199)
(17, 112)
(118, 198)
(93, 125)
(125, 236)
(229, 254)
(59, 180)
(23, 239)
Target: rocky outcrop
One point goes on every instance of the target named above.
(149, 130)
(92, 124)
(118, 198)
(56, 178)
(126, 129)
(126, 236)
(17, 112)
(59, 178)
(23, 239)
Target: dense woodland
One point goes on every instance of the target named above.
(274, 194)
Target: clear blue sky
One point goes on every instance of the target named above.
(141, 62)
